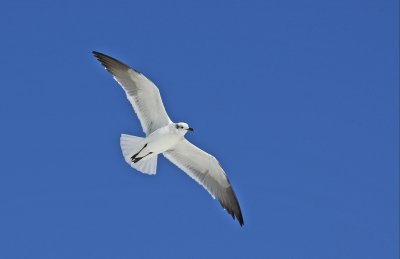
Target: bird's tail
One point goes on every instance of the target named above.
(131, 145)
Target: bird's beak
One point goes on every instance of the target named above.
(190, 129)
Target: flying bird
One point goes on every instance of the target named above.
(166, 137)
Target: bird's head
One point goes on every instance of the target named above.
(183, 127)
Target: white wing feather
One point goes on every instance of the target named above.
(140, 91)
(206, 170)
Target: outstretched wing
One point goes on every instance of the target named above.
(141, 92)
(206, 170)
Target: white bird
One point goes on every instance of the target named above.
(166, 137)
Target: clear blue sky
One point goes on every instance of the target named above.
(298, 100)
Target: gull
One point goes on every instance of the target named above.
(166, 137)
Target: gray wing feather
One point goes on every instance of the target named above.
(206, 170)
(140, 91)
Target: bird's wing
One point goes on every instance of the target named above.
(141, 92)
(206, 170)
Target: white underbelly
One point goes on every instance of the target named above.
(163, 144)
(159, 143)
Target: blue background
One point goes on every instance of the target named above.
(298, 100)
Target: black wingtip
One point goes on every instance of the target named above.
(236, 212)
(98, 54)
(240, 219)
(232, 206)
(238, 216)
(110, 63)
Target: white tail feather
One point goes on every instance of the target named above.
(130, 145)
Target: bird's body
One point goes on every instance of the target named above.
(161, 140)
(166, 137)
